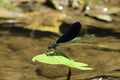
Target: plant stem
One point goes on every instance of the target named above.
(69, 74)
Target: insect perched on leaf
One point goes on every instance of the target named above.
(57, 57)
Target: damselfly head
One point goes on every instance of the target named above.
(52, 46)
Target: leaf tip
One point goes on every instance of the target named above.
(33, 59)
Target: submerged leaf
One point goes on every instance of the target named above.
(57, 57)
(104, 17)
(7, 4)
(114, 10)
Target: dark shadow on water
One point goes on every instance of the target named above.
(117, 70)
(39, 73)
(49, 4)
(103, 32)
(18, 31)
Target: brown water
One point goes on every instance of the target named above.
(17, 50)
(101, 52)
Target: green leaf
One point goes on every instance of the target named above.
(58, 58)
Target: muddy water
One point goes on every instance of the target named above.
(17, 50)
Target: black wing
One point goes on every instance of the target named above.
(71, 33)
